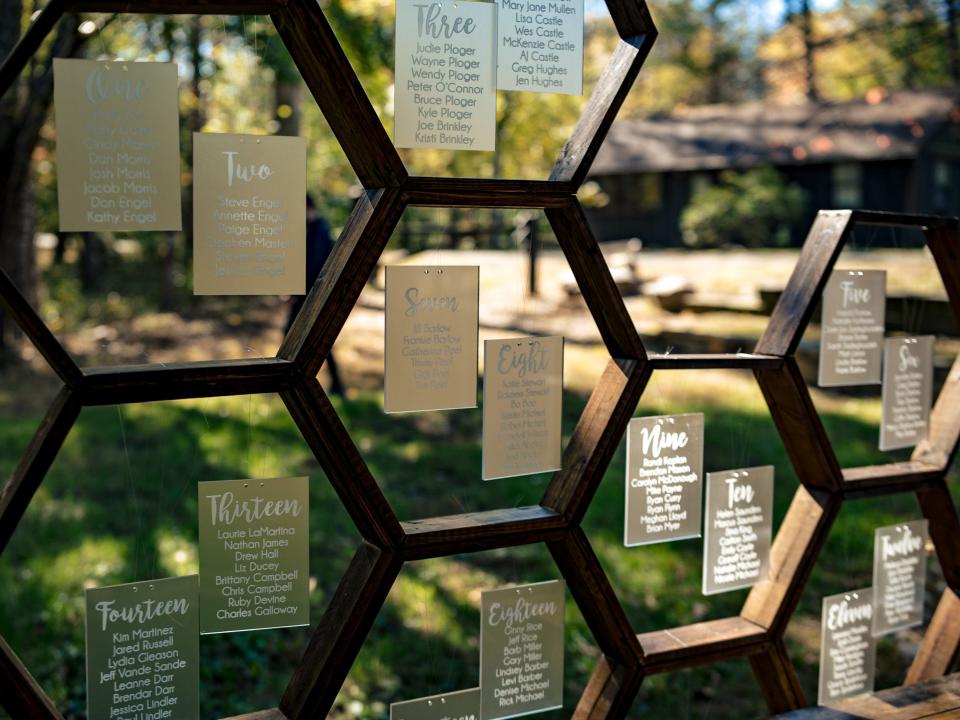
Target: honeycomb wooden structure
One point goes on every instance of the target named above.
(757, 633)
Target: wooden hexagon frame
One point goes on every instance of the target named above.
(387, 542)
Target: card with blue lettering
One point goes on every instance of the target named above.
(254, 554)
(143, 650)
(737, 529)
(249, 214)
(431, 325)
(521, 650)
(907, 393)
(852, 327)
(522, 406)
(445, 94)
(460, 705)
(664, 479)
(540, 46)
(848, 651)
(118, 145)
(899, 575)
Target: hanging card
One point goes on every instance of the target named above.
(848, 651)
(522, 406)
(118, 145)
(540, 46)
(521, 650)
(254, 554)
(663, 487)
(460, 705)
(143, 650)
(907, 391)
(445, 94)
(737, 529)
(851, 331)
(430, 362)
(899, 575)
(249, 214)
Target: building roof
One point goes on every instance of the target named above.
(714, 137)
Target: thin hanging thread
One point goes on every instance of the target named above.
(132, 493)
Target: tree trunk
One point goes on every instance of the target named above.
(953, 48)
(806, 25)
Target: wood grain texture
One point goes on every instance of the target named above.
(700, 644)
(483, 193)
(777, 678)
(337, 89)
(35, 329)
(799, 298)
(895, 219)
(340, 633)
(944, 243)
(799, 541)
(33, 466)
(631, 18)
(344, 275)
(939, 698)
(876, 480)
(804, 437)
(596, 437)
(940, 648)
(610, 691)
(596, 285)
(345, 468)
(591, 590)
(474, 532)
(940, 446)
(615, 82)
(20, 694)
(178, 381)
(941, 512)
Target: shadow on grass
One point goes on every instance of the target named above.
(119, 504)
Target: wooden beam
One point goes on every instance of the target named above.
(29, 43)
(940, 647)
(335, 86)
(336, 291)
(37, 331)
(610, 692)
(33, 466)
(938, 508)
(340, 633)
(615, 82)
(701, 643)
(596, 437)
(777, 678)
(706, 361)
(799, 540)
(486, 193)
(20, 694)
(474, 532)
(596, 285)
(342, 463)
(791, 315)
(798, 422)
(178, 381)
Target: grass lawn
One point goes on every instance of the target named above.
(119, 505)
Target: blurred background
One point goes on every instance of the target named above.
(749, 116)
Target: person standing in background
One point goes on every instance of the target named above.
(319, 247)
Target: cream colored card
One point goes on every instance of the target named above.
(445, 94)
(907, 392)
(430, 362)
(521, 649)
(522, 406)
(118, 145)
(249, 214)
(540, 46)
(848, 652)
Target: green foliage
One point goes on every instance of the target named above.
(753, 209)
